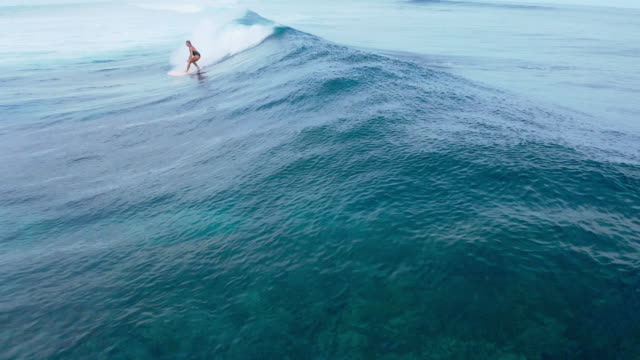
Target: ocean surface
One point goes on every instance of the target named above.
(376, 179)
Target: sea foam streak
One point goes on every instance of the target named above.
(186, 8)
(219, 37)
(190, 7)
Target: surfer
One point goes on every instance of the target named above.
(194, 56)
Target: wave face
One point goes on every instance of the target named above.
(302, 199)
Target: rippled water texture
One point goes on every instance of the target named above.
(302, 199)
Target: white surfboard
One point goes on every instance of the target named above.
(178, 73)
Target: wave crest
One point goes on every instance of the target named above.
(220, 37)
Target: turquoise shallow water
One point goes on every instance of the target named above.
(302, 199)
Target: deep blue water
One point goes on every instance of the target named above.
(300, 199)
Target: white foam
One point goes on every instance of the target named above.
(194, 6)
(218, 38)
(182, 8)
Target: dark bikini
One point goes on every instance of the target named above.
(195, 53)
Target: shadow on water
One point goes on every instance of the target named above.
(200, 75)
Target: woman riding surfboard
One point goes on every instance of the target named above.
(194, 56)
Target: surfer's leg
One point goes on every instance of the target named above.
(195, 61)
